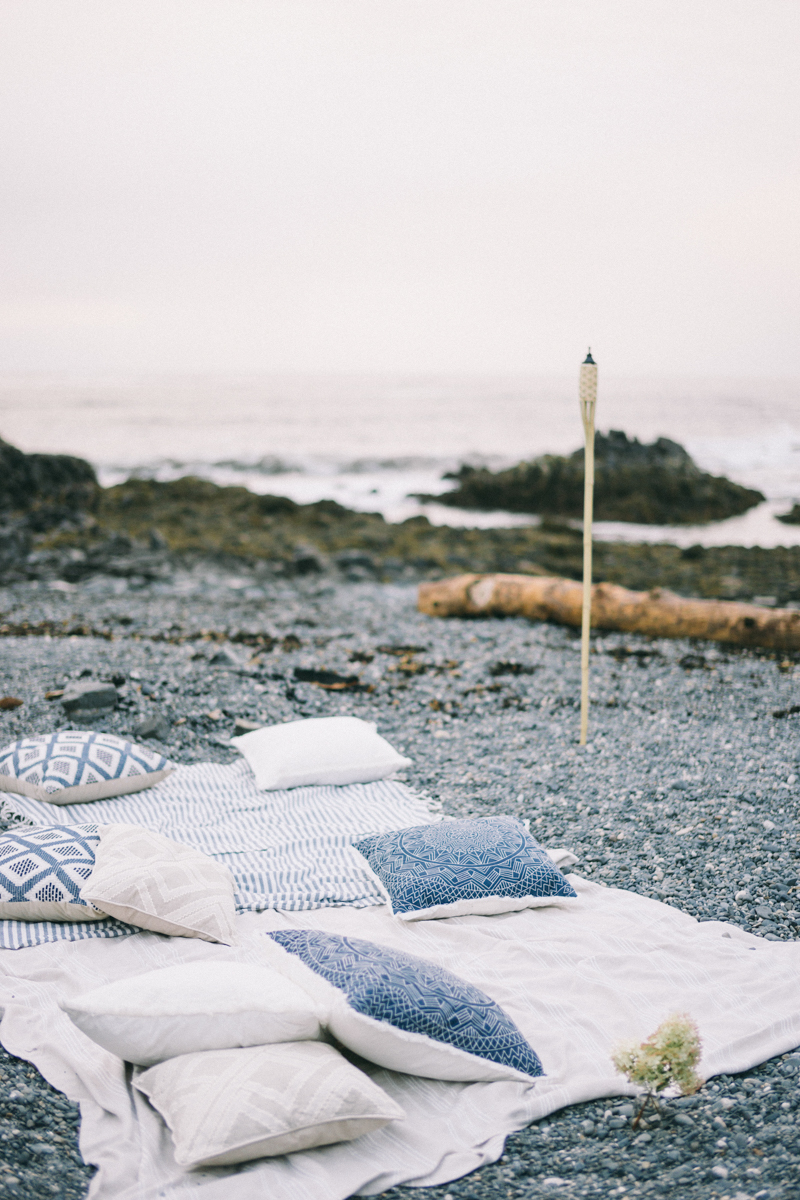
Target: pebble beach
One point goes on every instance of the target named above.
(687, 793)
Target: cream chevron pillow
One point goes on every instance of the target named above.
(230, 1106)
(147, 880)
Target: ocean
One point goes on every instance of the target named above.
(371, 442)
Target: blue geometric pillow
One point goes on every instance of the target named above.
(43, 870)
(82, 765)
(404, 1012)
(455, 868)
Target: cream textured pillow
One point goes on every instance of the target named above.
(334, 750)
(147, 880)
(230, 1106)
(207, 1005)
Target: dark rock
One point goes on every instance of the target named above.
(656, 484)
(792, 517)
(46, 487)
(272, 506)
(154, 726)
(356, 564)
(89, 697)
(307, 560)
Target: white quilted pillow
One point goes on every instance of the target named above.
(150, 881)
(320, 750)
(206, 1005)
(230, 1106)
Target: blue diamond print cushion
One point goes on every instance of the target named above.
(74, 767)
(404, 1012)
(459, 868)
(43, 870)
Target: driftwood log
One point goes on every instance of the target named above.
(658, 613)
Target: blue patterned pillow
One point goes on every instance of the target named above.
(405, 1012)
(43, 870)
(455, 868)
(73, 767)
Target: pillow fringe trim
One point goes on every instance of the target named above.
(10, 815)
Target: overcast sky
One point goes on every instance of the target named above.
(414, 185)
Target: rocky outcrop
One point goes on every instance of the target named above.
(45, 488)
(655, 484)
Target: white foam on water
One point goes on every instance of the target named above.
(372, 442)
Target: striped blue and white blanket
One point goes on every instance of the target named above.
(287, 850)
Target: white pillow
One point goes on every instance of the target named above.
(230, 1106)
(150, 881)
(207, 1005)
(335, 750)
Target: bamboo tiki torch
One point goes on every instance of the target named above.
(587, 392)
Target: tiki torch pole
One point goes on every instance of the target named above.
(587, 392)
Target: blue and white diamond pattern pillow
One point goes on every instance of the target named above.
(43, 870)
(404, 1012)
(460, 868)
(74, 767)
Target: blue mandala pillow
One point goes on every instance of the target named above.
(459, 868)
(74, 767)
(403, 1012)
(43, 870)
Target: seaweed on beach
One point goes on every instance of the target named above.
(143, 531)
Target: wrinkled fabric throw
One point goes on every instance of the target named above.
(290, 850)
(575, 981)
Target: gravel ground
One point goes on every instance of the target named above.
(687, 792)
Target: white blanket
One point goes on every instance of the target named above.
(576, 980)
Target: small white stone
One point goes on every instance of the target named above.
(720, 1171)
